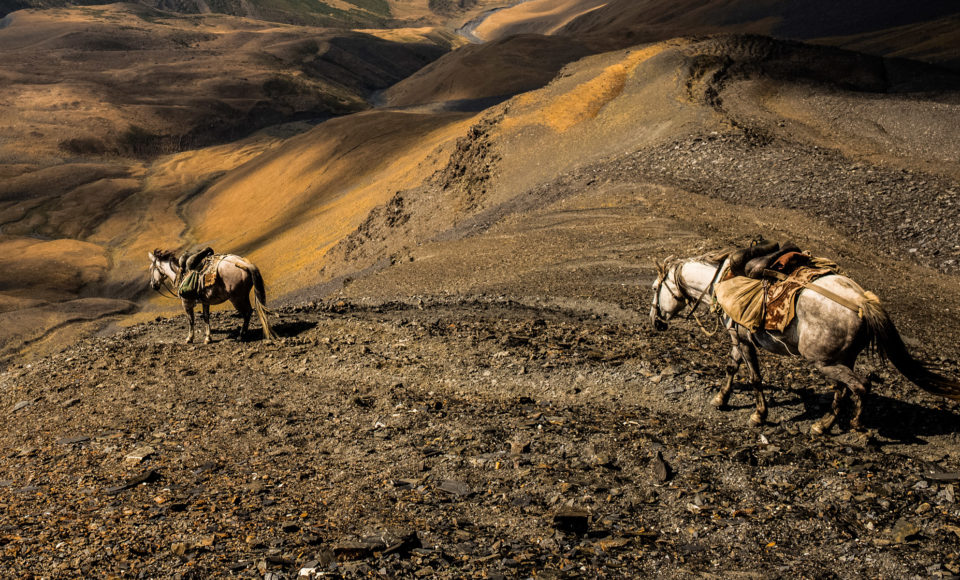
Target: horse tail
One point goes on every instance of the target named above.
(889, 344)
(260, 300)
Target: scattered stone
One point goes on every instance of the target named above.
(612, 543)
(139, 454)
(572, 520)
(457, 488)
(519, 447)
(346, 551)
(405, 545)
(943, 476)
(73, 440)
(149, 476)
(661, 470)
(21, 405)
(904, 531)
(204, 468)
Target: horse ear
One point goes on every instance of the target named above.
(659, 267)
(151, 256)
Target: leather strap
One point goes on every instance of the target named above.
(821, 291)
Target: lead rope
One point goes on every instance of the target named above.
(166, 286)
(709, 334)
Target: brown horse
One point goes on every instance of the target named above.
(236, 276)
(824, 332)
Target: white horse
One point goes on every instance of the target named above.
(236, 276)
(824, 332)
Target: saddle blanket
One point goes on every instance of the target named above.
(204, 277)
(758, 304)
(211, 267)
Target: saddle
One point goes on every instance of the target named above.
(767, 260)
(194, 261)
(199, 272)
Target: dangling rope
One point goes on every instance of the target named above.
(166, 286)
(709, 334)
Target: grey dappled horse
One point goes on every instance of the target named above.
(236, 276)
(824, 332)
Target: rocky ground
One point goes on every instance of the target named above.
(467, 437)
(482, 395)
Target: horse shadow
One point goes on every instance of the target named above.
(284, 329)
(898, 421)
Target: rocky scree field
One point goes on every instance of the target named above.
(468, 437)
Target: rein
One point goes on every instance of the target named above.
(682, 297)
(661, 283)
(166, 285)
(709, 288)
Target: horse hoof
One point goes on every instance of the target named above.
(720, 402)
(757, 419)
(816, 429)
(206, 341)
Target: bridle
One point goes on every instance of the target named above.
(165, 283)
(663, 273)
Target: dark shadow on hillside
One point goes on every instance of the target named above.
(893, 419)
(285, 329)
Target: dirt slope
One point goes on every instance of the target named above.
(497, 69)
(466, 384)
(625, 22)
(461, 437)
(92, 95)
(140, 82)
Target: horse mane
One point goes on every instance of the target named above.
(165, 254)
(715, 257)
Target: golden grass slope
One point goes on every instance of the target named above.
(122, 79)
(92, 98)
(287, 207)
(517, 154)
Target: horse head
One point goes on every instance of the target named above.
(668, 299)
(157, 272)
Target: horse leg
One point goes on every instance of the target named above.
(242, 305)
(723, 396)
(205, 310)
(749, 353)
(854, 382)
(823, 425)
(188, 309)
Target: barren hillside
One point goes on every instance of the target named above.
(626, 22)
(326, 13)
(465, 382)
(91, 96)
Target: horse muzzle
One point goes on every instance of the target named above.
(658, 322)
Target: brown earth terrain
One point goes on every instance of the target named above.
(466, 383)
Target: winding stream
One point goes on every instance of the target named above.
(467, 30)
